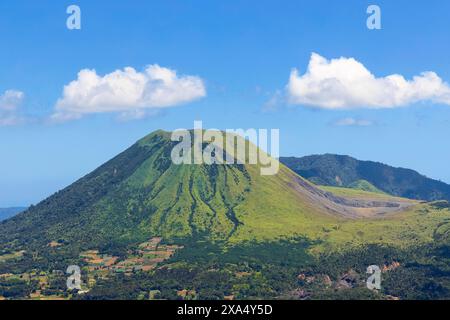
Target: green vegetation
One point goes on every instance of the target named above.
(358, 193)
(344, 171)
(364, 186)
(227, 232)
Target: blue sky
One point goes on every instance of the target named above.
(244, 52)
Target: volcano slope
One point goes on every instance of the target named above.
(141, 193)
(236, 232)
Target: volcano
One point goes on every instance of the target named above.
(141, 193)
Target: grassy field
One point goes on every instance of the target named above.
(357, 193)
(417, 225)
(365, 186)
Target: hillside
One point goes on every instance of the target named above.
(345, 171)
(141, 193)
(216, 231)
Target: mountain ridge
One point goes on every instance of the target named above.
(343, 171)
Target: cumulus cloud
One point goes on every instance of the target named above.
(10, 101)
(345, 83)
(127, 92)
(352, 122)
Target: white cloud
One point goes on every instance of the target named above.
(126, 91)
(10, 101)
(345, 83)
(352, 122)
